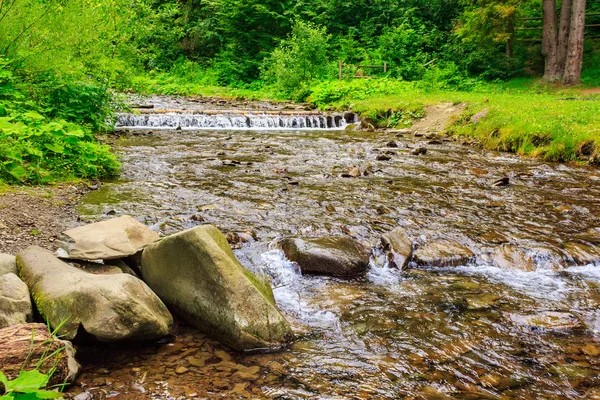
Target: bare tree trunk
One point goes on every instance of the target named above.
(574, 61)
(563, 34)
(549, 49)
(511, 40)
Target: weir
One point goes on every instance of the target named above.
(234, 120)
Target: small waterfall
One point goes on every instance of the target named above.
(262, 121)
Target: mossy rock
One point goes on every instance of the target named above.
(197, 275)
(110, 307)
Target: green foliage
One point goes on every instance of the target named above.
(341, 93)
(298, 60)
(28, 385)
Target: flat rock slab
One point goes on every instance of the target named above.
(8, 264)
(398, 247)
(196, 274)
(511, 258)
(110, 307)
(338, 256)
(23, 346)
(15, 302)
(106, 240)
(550, 320)
(442, 253)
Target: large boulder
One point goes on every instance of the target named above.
(110, 307)
(442, 253)
(197, 275)
(398, 247)
(511, 258)
(8, 264)
(31, 346)
(15, 303)
(106, 240)
(335, 256)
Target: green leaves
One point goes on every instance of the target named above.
(28, 385)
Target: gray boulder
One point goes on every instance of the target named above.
(8, 264)
(106, 240)
(110, 307)
(15, 303)
(442, 253)
(335, 256)
(196, 274)
(511, 258)
(398, 247)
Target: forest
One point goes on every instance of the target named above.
(65, 64)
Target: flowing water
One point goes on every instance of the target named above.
(419, 333)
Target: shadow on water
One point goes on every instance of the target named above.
(464, 332)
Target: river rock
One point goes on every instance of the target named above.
(582, 253)
(398, 247)
(15, 303)
(442, 253)
(196, 274)
(114, 238)
(20, 349)
(551, 320)
(511, 258)
(109, 307)
(8, 264)
(335, 256)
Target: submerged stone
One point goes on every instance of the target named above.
(196, 274)
(582, 253)
(338, 256)
(15, 302)
(398, 247)
(552, 320)
(110, 239)
(511, 258)
(442, 253)
(110, 307)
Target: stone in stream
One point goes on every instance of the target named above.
(196, 274)
(15, 303)
(398, 247)
(29, 346)
(442, 253)
(338, 256)
(114, 238)
(109, 307)
(581, 253)
(8, 264)
(511, 258)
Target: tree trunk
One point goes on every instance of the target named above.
(511, 40)
(574, 60)
(23, 346)
(549, 49)
(563, 34)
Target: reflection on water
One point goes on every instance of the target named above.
(426, 334)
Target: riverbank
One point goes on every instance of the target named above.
(518, 116)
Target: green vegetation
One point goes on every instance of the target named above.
(62, 63)
(28, 385)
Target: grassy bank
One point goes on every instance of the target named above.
(519, 116)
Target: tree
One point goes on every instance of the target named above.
(563, 44)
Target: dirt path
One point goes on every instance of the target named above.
(438, 117)
(36, 215)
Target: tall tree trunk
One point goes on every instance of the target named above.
(549, 49)
(574, 61)
(563, 34)
(510, 43)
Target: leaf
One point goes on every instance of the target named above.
(7, 397)
(3, 379)
(27, 381)
(19, 173)
(55, 147)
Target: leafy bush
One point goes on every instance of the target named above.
(34, 149)
(298, 60)
(335, 91)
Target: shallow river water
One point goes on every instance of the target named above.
(419, 333)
